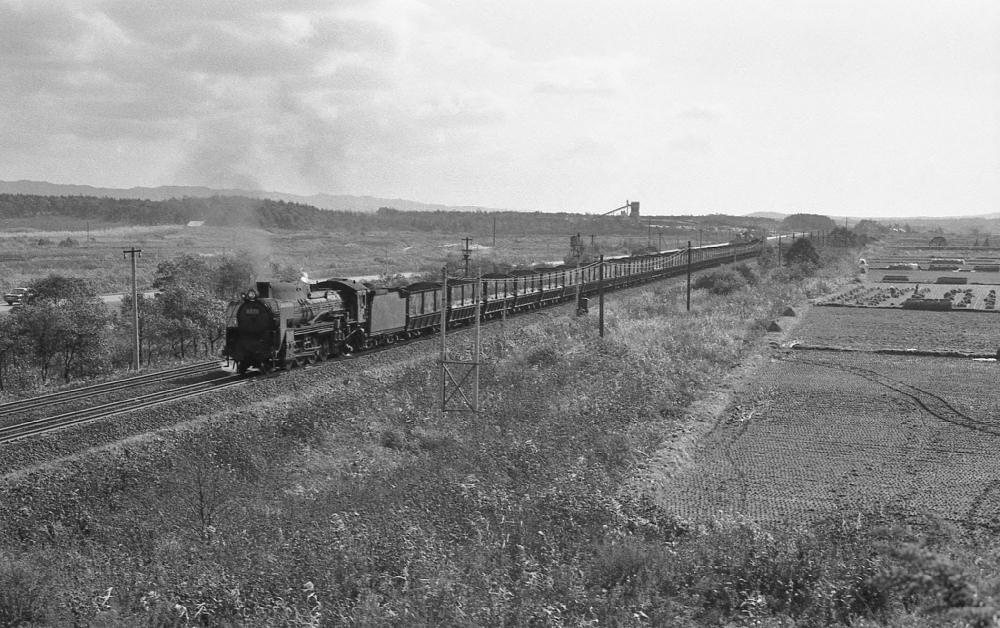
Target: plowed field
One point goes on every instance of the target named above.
(931, 276)
(817, 433)
(962, 296)
(869, 329)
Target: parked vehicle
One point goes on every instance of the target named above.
(21, 296)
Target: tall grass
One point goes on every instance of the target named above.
(359, 504)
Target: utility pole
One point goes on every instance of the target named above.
(577, 252)
(600, 296)
(471, 400)
(689, 276)
(135, 309)
(467, 253)
(494, 232)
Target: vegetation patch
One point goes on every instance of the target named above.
(360, 505)
(927, 304)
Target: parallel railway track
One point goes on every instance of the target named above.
(34, 403)
(76, 417)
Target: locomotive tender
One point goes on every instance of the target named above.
(291, 324)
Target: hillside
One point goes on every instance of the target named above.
(336, 202)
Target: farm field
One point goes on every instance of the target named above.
(869, 329)
(816, 434)
(931, 276)
(894, 295)
(978, 267)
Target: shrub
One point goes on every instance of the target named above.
(720, 281)
(802, 252)
(750, 274)
(767, 259)
(22, 595)
(392, 439)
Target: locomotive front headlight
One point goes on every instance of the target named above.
(251, 294)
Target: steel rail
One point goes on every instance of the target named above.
(40, 426)
(32, 403)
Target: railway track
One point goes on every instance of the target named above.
(34, 403)
(76, 417)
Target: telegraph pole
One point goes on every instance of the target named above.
(689, 276)
(467, 253)
(135, 309)
(470, 377)
(444, 343)
(600, 296)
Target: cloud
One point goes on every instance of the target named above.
(690, 143)
(303, 94)
(702, 113)
(581, 148)
(582, 76)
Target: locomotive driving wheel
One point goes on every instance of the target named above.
(324, 352)
(266, 366)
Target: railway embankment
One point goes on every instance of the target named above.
(339, 495)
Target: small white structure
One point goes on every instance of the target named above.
(862, 266)
(196, 223)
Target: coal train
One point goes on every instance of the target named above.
(282, 325)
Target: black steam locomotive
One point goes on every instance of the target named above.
(291, 324)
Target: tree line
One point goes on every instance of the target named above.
(67, 333)
(268, 214)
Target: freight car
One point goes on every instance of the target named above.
(291, 324)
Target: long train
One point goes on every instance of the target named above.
(291, 324)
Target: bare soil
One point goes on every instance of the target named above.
(803, 435)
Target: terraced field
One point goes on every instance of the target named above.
(931, 276)
(896, 294)
(818, 433)
(872, 329)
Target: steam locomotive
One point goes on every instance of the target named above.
(282, 325)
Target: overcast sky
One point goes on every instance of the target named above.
(845, 107)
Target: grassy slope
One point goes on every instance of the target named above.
(356, 503)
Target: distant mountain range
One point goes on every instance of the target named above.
(339, 202)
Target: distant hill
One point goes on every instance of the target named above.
(772, 215)
(338, 202)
